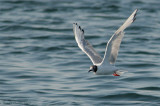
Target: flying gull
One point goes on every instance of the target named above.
(105, 65)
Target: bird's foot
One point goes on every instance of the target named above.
(115, 74)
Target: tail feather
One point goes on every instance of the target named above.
(120, 72)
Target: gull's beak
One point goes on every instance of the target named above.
(89, 71)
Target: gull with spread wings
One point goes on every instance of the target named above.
(105, 66)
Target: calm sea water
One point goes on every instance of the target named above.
(41, 64)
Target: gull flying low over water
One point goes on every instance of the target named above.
(105, 66)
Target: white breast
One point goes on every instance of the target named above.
(106, 70)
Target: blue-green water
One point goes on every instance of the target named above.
(41, 64)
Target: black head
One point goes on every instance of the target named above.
(93, 68)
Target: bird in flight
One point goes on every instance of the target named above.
(105, 65)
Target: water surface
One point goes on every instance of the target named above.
(41, 64)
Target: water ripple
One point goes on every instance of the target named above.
(41, 64)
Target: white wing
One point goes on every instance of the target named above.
(85, 46)
(113, 44)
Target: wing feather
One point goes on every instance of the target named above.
(85, 46)
(113, 44)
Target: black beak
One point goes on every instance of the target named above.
(89, 71)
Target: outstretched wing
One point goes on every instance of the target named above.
(113, 45)
(85, 46)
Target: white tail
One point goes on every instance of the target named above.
(120, 72)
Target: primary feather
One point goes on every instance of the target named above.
(85, 46)
(113, 44)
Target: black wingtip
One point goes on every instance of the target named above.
(135, 14)
(75, 23)
(82, 30)
(79, 27)
(134, 19)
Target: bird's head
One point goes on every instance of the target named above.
(93, 68)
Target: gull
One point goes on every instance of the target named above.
(105, 66)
